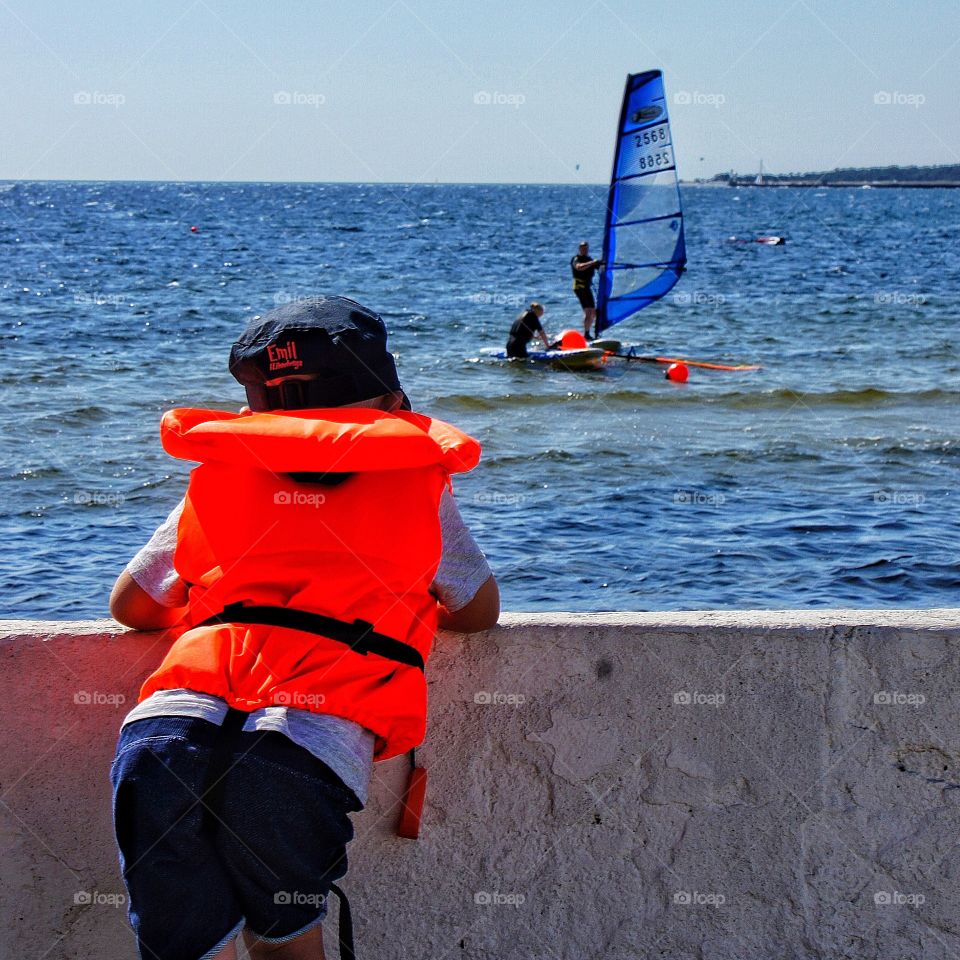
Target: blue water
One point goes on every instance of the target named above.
(828, 478)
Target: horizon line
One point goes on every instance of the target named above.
(460, 183)
(358, 183)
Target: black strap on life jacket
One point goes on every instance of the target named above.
(346, 925)
(359, 636)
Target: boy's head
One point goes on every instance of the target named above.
(321, 352)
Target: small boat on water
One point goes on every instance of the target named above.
(770, 241)
(584, 358)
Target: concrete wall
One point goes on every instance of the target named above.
(706, 785)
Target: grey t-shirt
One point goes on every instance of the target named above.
(344, 746)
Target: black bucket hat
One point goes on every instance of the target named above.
(338, 344)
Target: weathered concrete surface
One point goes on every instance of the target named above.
(706, 785)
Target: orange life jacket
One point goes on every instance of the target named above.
(358, 557)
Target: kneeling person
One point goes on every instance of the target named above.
(523, 330)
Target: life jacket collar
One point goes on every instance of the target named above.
(336, 439)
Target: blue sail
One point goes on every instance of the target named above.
(643, 246)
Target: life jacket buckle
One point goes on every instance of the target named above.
(362, 643)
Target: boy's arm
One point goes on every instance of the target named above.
(481, 613)
(132, 606)
(149, 595)
(464, 586)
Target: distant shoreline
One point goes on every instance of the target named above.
(942, 176)
(878, 184)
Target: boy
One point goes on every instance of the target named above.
(315, 553)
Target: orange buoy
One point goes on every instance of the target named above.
(678, 372)
(572, 340)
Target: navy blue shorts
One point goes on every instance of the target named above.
(265, 859)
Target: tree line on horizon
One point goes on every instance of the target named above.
(875, 174)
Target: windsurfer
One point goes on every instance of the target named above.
(583, 267)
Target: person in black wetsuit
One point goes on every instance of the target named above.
(523, 330)
(583, 267)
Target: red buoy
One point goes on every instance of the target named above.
(572, 340)
(678, 373)
(194, 229)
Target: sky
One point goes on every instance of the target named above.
(444, 91)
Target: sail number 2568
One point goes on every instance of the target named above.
(652, 161)
(651, 138)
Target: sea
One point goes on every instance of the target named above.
(827, 478)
